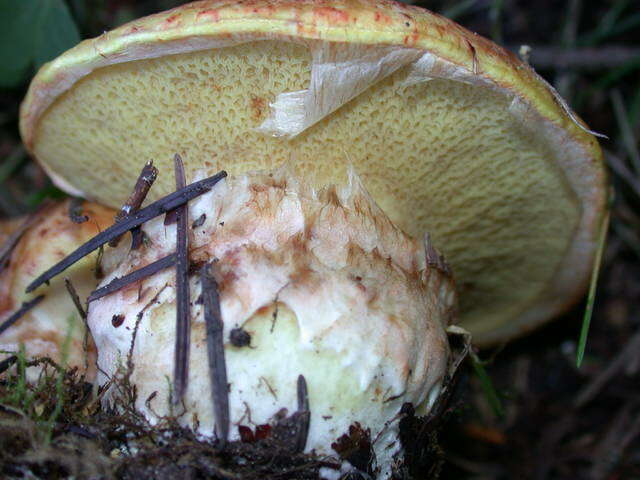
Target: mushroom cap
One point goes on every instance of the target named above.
(45, 329)
(450, 133)
(359, 314)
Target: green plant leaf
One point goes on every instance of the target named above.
(32, 32)
(16, 40)
(56, 31)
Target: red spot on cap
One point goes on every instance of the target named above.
(170, 22)
(382, 18)
(208, 15)
(332, 14)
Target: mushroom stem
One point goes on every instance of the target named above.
(342, 311)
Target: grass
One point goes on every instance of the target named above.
(486, 383)
(591, 297)
(41, 401)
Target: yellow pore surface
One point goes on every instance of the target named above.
(440, 156)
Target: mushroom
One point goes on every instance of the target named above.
(52, 327)
(450, 133)
(321, 284)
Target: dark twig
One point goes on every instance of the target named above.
(83, 316)
(304, 414)
(170, 218)
(7, 363)
(6, 249)
(159, 207)
(630, 351)
(121, 282)
(623, 429)
(134, 335)
(183, 298)
(75, 210)
(215, 349)
(137, 238)
(24, 308)
(76, 299)
(624, 172)
(585, 58)
(147, 176)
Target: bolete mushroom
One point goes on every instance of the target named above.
(52, 327)
(450, 134)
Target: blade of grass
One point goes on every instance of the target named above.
(628, 138)
(634, 108)
(60, 374)
(620, 169)
(34, 199)
(486, 384)
(628, 236)
(20, 390)
(565, 77)
(586, 320)
(495, 16)
(11, 163)
(459, 9)
(619, 27)
(605, 25)
(615, 75)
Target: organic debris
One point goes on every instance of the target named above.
(58, 427)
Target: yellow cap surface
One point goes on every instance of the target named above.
(450, 133)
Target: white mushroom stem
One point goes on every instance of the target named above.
(326, 287)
